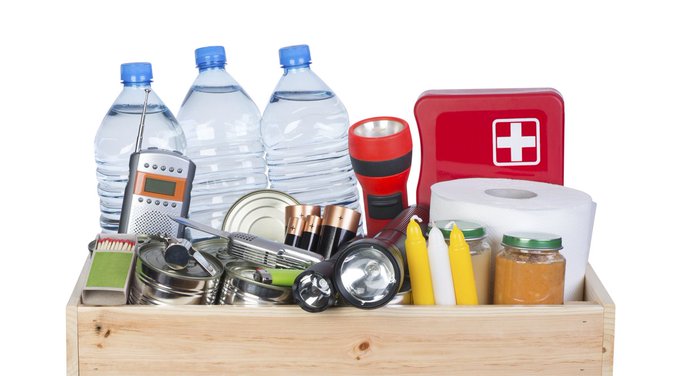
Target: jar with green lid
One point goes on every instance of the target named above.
(480, 250)
(530, 269)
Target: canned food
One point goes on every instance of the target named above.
(530, 269)
(216, 247)
(260, 213)
(240, 288)
(156, 283)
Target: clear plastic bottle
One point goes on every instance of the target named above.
(304, 129)
(222, 127)
(117, 134)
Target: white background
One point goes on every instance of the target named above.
(615, 63)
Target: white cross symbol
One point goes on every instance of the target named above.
(516, 142)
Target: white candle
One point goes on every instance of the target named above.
(440, 268)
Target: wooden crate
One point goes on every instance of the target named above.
(574, 339)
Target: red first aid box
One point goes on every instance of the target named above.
(490, 133)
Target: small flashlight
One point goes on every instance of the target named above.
(369, 272)
(313, 289)
(380, 149)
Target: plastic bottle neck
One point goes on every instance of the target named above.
(206, 68)
(140, 85)
(214, 77)
(296, 69)
(301, 79)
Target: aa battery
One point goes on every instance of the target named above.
(310, 233)
(339, 225)
(294, 231)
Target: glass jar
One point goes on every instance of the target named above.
(530, 269)
(480, 250)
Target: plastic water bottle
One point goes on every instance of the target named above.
(222, 127)
(304, 129)
(117, 134)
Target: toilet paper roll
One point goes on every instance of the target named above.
(506, 205)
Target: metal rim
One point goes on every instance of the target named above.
(172, 273)
(378, 128)
(231, 215)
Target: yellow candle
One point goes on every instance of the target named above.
(418, 265)
(461, 269)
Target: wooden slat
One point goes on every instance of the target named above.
(72, 322)
(491, 340)
(596, 292)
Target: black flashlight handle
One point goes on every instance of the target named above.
(395, 232)
(396, 228)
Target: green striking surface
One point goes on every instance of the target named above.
(109, 269)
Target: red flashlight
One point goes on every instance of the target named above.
(380, 149)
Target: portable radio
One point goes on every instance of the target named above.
(159, 187)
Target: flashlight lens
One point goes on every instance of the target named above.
(314, 290)
(379, 128)
(368, 275)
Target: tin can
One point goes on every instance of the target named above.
(240, 288)
(260, 213)
(156, 283)
(216, 247)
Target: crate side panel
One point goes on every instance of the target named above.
(595, 291)
(562, 340)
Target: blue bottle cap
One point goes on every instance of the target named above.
(210, 57)
(295, 56)
(136, 72)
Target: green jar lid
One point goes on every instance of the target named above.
(471, 230)
(532, 240)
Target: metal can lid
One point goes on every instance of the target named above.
(152, 256)
(471, 230)
(212, 246)
(533, 240)
(260, 213)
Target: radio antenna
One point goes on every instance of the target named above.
(140, 133)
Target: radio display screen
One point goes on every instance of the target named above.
(160, 186)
